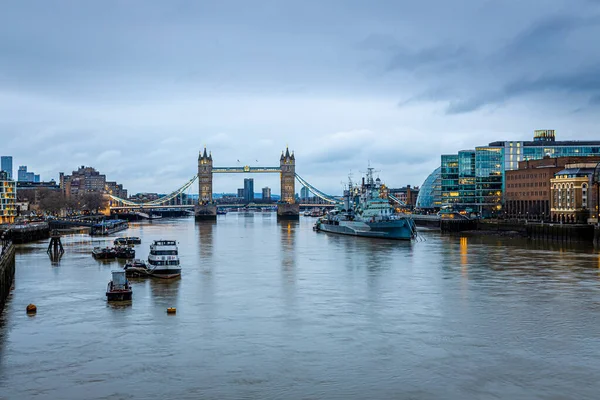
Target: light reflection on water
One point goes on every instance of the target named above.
(269, 309)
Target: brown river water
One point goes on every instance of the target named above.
(274, 310)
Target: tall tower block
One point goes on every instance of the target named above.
(288, 208)
(205, 209)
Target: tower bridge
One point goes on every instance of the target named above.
(287, 208)
(206, 208)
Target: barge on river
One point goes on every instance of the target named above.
(126, 241)
(136, 269)
(109, 227)
(119, 288)
(104, 253)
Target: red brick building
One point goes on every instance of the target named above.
(528, 192)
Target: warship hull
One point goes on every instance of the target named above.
(399, 229)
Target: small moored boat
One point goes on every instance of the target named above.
(103, 253)
(126, 241)
(125, 252)
(136, 269)
(118, 288)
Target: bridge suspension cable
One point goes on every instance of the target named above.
(160, 200)
(397, 200)
(317, 192)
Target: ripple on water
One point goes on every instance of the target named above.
(274, 310)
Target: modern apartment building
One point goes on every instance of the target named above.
(8, 199)
(475, 179)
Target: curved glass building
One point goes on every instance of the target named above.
(430, 193)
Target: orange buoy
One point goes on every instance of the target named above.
(31, 308)
(171, 310)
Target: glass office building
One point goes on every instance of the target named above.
(489, 178)
(450, 188)
(544, 143)
(466, 177)
(430, 192)
(475, 178)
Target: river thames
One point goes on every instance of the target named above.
(274, 310)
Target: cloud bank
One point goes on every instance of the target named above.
(136, 89)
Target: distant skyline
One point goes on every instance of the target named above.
(136, 89)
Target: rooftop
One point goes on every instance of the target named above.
(550, 144)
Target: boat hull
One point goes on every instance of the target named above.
(169, 273)
(136, 272)
(119, 295)
(398, 230)
(104, 256)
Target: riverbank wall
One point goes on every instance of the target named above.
(427, 221)
(7, 270)
(561, 233)
(25, 233)
(567, 233)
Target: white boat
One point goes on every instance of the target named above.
(163, 260)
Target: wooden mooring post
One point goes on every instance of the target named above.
(55, 247)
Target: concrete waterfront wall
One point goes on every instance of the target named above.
(26, 233)
(561, 233)
(597, 236)
(7, 271)
(566, 233)
(457, 225)
(430, 221)
(502, 226)
(537, 231)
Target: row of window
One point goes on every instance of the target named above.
(526, 194)
(526, 176)
(172, 262)
(527, 184)
(567, 185)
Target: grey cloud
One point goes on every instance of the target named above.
(402, 57)
(543, 36)
(553, 54)
(585, 82)
(439, 58)
(247, 78)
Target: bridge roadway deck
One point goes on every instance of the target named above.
(191, 206)
(245, 169)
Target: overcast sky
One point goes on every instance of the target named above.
(137, 88)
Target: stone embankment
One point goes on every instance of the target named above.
(7, 270)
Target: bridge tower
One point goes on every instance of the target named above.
(287, 208)
(205, 165)
(205, 209)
